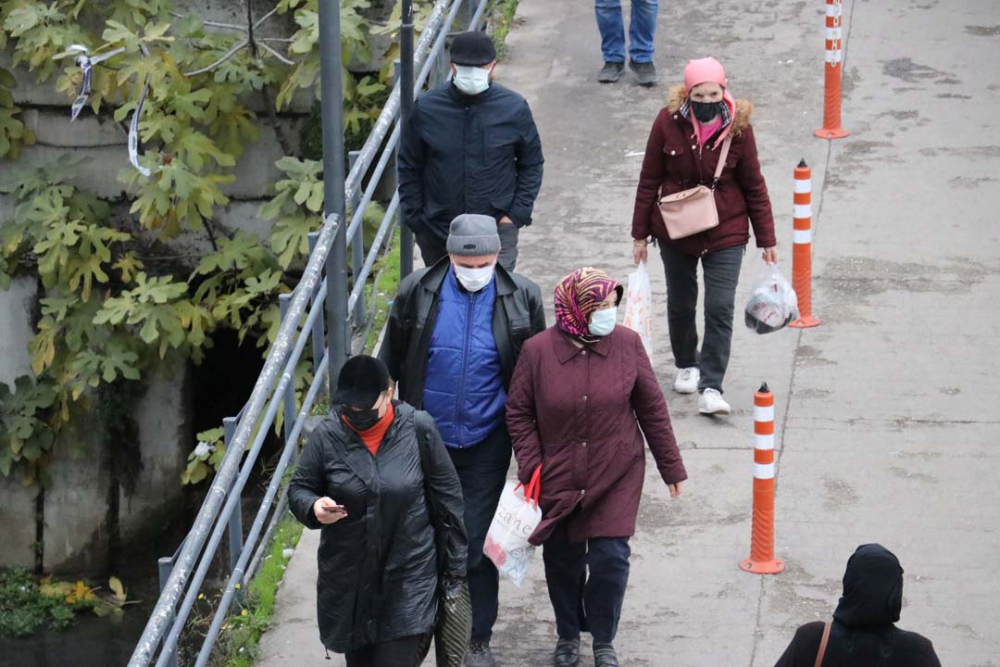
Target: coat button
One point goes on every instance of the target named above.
(584, 353)
(693, 146)
(583, 492)
(583, 444)
(675, 116)
(673, 152)
(584, 398)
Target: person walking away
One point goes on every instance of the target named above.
(361, 481)
(453, 337)
(683, 151)
(863, 631)
(471, 146)
(641, 36)
(583, 398)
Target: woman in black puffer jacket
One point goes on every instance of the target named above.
(863, 633)
(361, 480)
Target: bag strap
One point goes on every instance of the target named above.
(727, 142)
(822, 644)
(534, 488)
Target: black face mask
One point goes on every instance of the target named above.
(706, 111)
(361, 420)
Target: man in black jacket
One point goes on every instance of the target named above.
(452, 340)
(471, 146)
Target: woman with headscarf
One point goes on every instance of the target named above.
(701, 122)
(582, 397)
(863, 631)
(375, 477)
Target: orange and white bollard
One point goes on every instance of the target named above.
(762, 560)
(834, 57)
(802, 247)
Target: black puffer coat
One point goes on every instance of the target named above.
(378, 567)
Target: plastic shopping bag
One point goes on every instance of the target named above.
(516, 519)
(638, 307)
(773, 303)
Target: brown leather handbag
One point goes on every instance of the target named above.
(692, 211)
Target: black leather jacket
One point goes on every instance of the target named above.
(379, 566)
(518, 314)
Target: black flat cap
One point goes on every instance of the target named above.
(473, 49)
(360, 382)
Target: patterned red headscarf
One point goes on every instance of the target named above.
(578, 295)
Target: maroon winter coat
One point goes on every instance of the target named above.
(577, 413)
(674, 162)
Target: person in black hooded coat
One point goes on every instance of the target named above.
(863, 631)
(361, 479)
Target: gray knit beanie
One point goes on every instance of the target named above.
(472, 234)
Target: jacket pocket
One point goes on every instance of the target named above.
(676, 150)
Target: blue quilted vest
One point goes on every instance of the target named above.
(464, 388)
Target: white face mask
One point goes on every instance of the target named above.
(471, 80)
(473, 280)
(602, 322)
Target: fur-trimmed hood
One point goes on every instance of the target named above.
(741, 120)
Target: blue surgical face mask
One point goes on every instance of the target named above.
(602, 322)
(471, 80)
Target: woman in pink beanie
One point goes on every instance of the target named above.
(700, 122)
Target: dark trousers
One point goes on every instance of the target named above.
(722, 273)
(433, 249)
(586, 583)
(482, 470)
(400, 652)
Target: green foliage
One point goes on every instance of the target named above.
(117, 294)
(27, 603)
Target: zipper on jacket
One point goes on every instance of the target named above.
(460, 399)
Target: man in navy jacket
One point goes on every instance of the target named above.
(452, 340)
(471, 146)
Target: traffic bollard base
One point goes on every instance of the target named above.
(806, 322)
(763, 567)
(832, 133)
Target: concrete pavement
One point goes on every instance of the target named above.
(888, 421)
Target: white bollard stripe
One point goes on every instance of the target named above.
(763, 470)
(833, 34)
(763, 441)
(833, 56)
(801, 236)
(802, 211)
(763, 413)
(803, 186)
(835, 10)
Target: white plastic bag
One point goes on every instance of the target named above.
(638, 307)
(516, 519)
(773, 303)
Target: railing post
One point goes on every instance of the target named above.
(235, 531)
(318, 341)
(405, 109)
(164, 566)
(290, 409)
(331, 86)
(357, 247)
(465, 13)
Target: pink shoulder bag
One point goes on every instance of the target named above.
(692, 211)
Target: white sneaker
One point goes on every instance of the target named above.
(711, 403)
(687, 380)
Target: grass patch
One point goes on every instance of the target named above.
(503, 18)
(387, 270)
(241, 633)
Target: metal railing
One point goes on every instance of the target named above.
(305, 320)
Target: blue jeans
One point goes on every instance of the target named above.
(641, 31)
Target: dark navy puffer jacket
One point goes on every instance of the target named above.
(464, 389)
